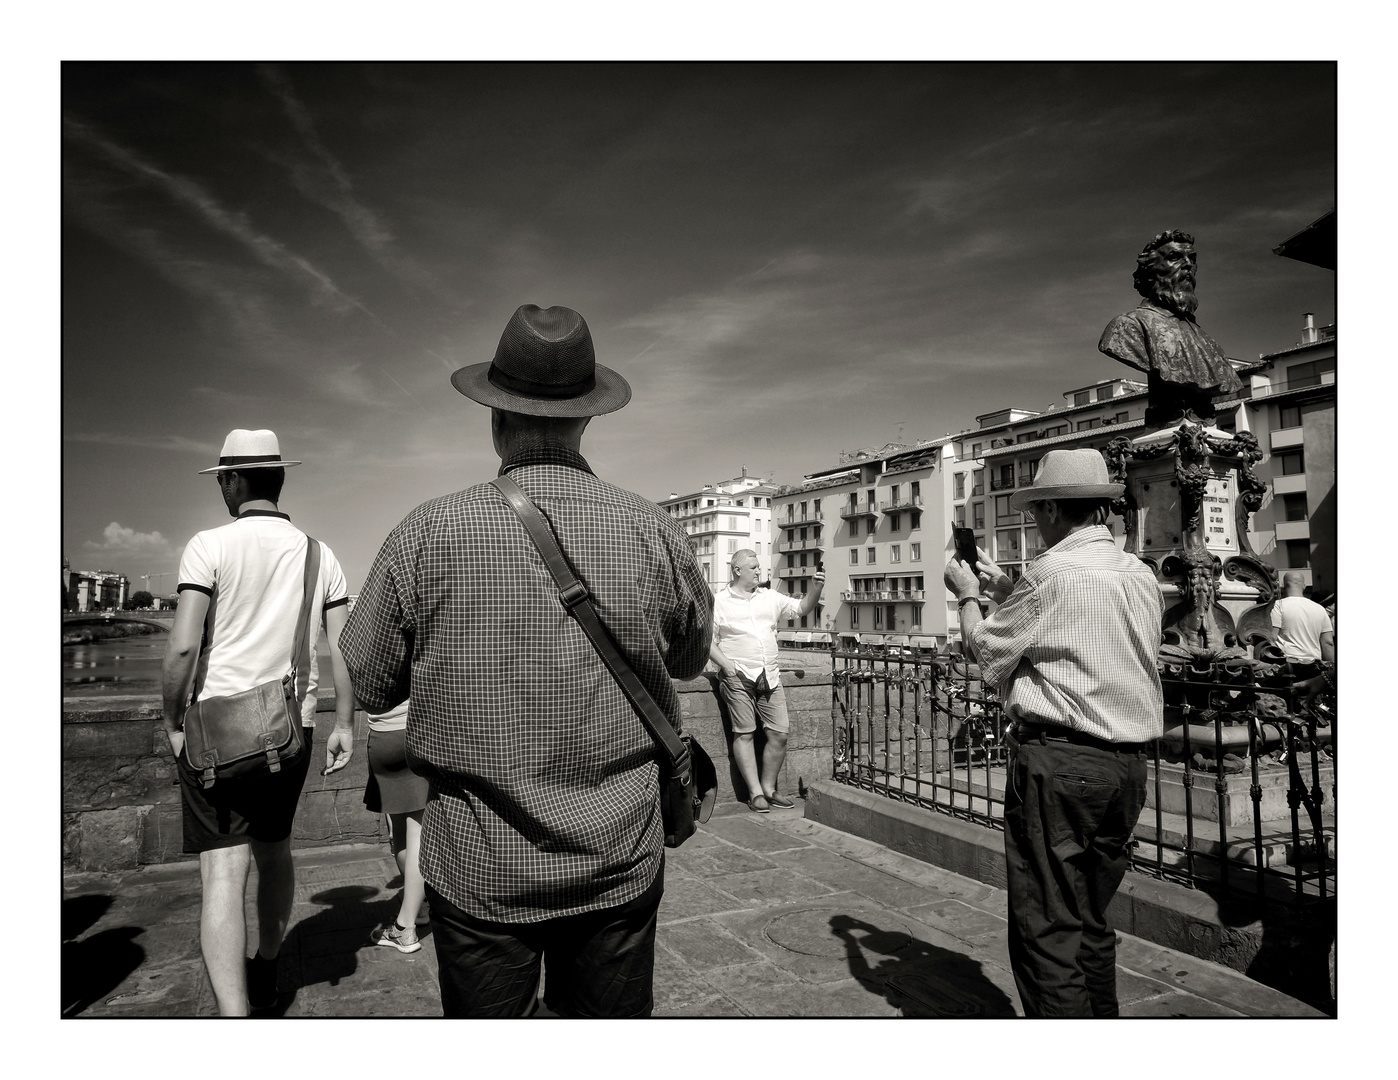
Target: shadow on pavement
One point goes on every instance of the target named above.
(324, 948)
(918, 979)
(95, 966)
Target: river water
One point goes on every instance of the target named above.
(127, 667)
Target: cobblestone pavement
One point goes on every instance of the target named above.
(763, 916)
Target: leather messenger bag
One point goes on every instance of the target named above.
(258, 729)
(688, 781)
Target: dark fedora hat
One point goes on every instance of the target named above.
(545, 366)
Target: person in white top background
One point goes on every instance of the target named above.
(745, 650)
(1305, 632)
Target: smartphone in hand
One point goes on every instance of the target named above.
(965, 541)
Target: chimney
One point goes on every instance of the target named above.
(674, 494)
(1308, 335)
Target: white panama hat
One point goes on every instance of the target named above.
(1068, 474)
(244, 449)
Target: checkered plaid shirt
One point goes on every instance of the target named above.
(1074, 645)
(545, 795)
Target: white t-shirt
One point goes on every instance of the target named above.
(1299, 623)
(253, 570)
(745, 628)
(396, 719)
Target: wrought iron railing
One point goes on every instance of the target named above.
(1240, 791)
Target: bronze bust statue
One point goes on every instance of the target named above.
(1186, 369)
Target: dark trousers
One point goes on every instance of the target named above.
(1069, 814)
(599, 963)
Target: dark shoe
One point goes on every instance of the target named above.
(781, 802)
(262, 983)
(758, 804)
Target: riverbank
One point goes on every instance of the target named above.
(88, 633)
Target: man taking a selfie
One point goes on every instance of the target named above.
(745, 650)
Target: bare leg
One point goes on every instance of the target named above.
(276, 885)
(746, 760)
(223, 932)
(773, 754)
(407, 838)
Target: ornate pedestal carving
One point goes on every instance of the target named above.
(1189, 491)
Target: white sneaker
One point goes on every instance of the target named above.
(404, 939)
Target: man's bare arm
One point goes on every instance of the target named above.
(181, 659)
(809, 601)
(340, 745)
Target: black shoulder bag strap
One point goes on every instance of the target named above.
(301, 642)
(578, 603)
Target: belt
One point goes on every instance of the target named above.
(1026, 730)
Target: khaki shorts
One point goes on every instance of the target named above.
(746, 706)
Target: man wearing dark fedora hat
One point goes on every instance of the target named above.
(542, 843)
(242, 588)
(1072, 650)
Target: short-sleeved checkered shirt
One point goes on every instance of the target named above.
(545, 796)
(1075, 643)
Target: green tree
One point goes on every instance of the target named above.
(142, 599)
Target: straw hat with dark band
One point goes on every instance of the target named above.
(1068, 474)
(545, 366)
(244, 449)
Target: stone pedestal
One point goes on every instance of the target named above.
(1189, 491)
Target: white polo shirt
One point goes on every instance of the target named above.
(253, 571)
(745, 628)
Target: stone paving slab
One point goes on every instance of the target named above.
(764, 916)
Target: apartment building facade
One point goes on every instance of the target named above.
(93, 590)
(1288, 403)
(723, 518)
(875, 523)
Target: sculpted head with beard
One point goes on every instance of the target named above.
(1186, 367)
(1165, 271)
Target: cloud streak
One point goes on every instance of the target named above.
(194, 199)
(329, 186)
(172, 443)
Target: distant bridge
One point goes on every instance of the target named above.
(106, 618)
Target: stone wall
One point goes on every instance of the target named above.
(121, 793)
(121, 796)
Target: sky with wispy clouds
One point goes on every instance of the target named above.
(784, 261)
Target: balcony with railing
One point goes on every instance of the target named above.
(816, 544)
(1326, 378)
(1002, 483)
(856, 508)
(795, 571)
(902, 502)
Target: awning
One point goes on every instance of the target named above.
(896, 639)
(803, 635)
(786, 635)
(924, 643)
(1315, 244)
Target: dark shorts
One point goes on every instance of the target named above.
(259, 807)
(393, 788)
(598, 963)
